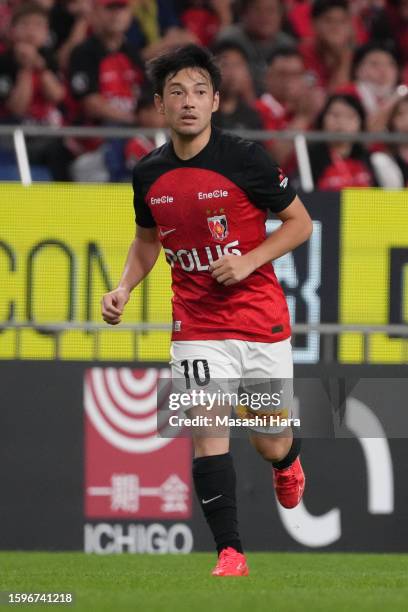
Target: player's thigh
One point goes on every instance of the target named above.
(196, 364)
(267, 359)
(206, 367)
(268, 378)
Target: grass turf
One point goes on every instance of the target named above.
(278, 582)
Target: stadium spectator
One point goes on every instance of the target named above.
(205, 18)
(105, 76)
(376, 77)
(156, 28)
(290, 102)
(370, 18)
(328, 55)
(392, 166)
(259, 33)
(6, 11)
(70, 26)
(298, 15)
(30, 89)
(146, 117)
(237, 94)
(105, 71)
(399, 23)
(337, 165)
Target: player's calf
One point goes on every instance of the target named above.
(215, 483)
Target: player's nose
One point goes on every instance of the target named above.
(188, 102)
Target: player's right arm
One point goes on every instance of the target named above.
(143, 253)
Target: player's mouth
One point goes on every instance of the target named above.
(188, 118)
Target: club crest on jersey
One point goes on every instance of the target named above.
(218, 226)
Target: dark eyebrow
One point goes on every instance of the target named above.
(195, 84)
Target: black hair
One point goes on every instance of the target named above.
(361, 53)
(286, 51)
(348, 99)
(189, 56)
(320, 7)
(229, 45)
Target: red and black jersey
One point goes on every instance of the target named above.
(211, 205)
(116, 75)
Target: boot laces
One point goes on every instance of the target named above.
(225, 558)
(287, 477)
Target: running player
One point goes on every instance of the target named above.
(203, 196)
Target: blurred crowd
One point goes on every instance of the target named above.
(329, 65)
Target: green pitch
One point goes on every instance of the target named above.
(278, 582)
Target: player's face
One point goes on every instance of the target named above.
(188, 101)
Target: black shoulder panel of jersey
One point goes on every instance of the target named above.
(145, 173)
(250, 166)
(245, 163)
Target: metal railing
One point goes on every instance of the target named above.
(328, 332)
(300, 140)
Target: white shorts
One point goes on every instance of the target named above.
(230, 364)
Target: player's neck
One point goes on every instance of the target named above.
(187, 147)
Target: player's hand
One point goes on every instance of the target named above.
(230, 269)
(113, 304)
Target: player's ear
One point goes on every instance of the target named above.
(216, 101)
(158, 102)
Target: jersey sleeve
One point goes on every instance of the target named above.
(265, 183)
(143, 216)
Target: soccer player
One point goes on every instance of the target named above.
(203, 196)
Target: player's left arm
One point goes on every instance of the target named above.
(267, 189)
(296, 228)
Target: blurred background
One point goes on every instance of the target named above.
(323, 86)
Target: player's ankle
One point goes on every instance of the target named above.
(235, 544)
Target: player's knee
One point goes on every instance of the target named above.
(272, 449)
(269, 454)
(204, 447)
